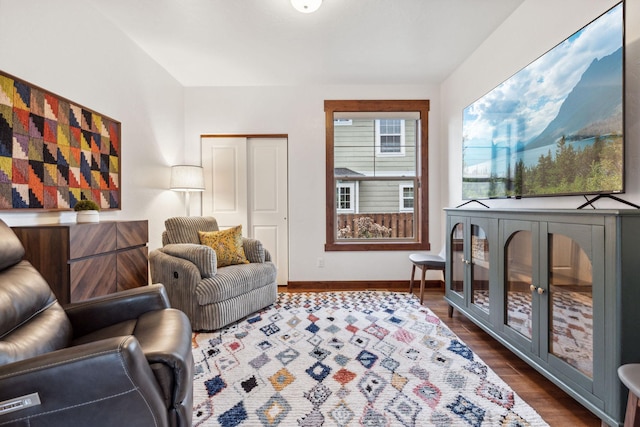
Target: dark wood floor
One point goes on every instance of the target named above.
(555, 406)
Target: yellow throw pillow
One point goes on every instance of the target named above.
(227, 244)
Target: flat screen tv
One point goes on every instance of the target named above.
(555, 127)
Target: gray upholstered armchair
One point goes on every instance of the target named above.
(121, 359)
(211, 296)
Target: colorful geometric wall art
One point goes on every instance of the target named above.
(54, 152)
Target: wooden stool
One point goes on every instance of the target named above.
(630, 376)
(425, 262)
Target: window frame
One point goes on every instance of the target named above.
(421, 193)
(378, 143)
(401, 198)
(352, 195)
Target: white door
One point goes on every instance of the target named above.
(246, 183)
(225, 197)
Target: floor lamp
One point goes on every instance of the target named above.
(187, 178)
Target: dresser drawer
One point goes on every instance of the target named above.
(132, 233)
(92, 277)
(91, 239)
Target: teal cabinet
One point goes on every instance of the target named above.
(562, 292)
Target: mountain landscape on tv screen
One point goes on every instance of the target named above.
(584, 142)
(594, 106)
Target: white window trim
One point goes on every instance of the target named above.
(401, 198)
(354, 197)
(379, 153)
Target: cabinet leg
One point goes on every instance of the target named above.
(450, 311)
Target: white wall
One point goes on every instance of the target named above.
(68, 48)
(299, 113)
(535, 27)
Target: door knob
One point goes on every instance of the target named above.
(534, 288)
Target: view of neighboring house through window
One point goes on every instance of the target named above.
(406, 197)
(346, 197)
(376, 175)
(390, 137)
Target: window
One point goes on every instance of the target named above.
(406, 197)
(376, 175)
(390, 137)
(346, 199)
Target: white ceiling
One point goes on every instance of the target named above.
(267, 42)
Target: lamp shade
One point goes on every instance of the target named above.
(187, 178)
(306, 6)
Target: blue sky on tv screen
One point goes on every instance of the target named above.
(532, 97)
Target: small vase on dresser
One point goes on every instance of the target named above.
(87, 216)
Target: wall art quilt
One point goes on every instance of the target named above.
(54, 152)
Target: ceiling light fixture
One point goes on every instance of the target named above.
(306, 6)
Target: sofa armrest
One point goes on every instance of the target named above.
(180, 278)
(103, 379)
(165, 337)
(202, 256)
(253, 250)
(97, 313)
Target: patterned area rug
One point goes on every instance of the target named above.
(347, 359)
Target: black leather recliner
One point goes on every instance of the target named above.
(120, 360)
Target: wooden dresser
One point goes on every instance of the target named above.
(81, 261)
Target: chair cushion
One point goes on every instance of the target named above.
(11, 249)
(630, 376)
(227, 244)
(184, 229)
(235, 280)
(31, 320)
(433, 261)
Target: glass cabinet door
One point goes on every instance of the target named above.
(570, 326)
(470, 277)
(457, 260)
(479, 268)
(519, 278)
